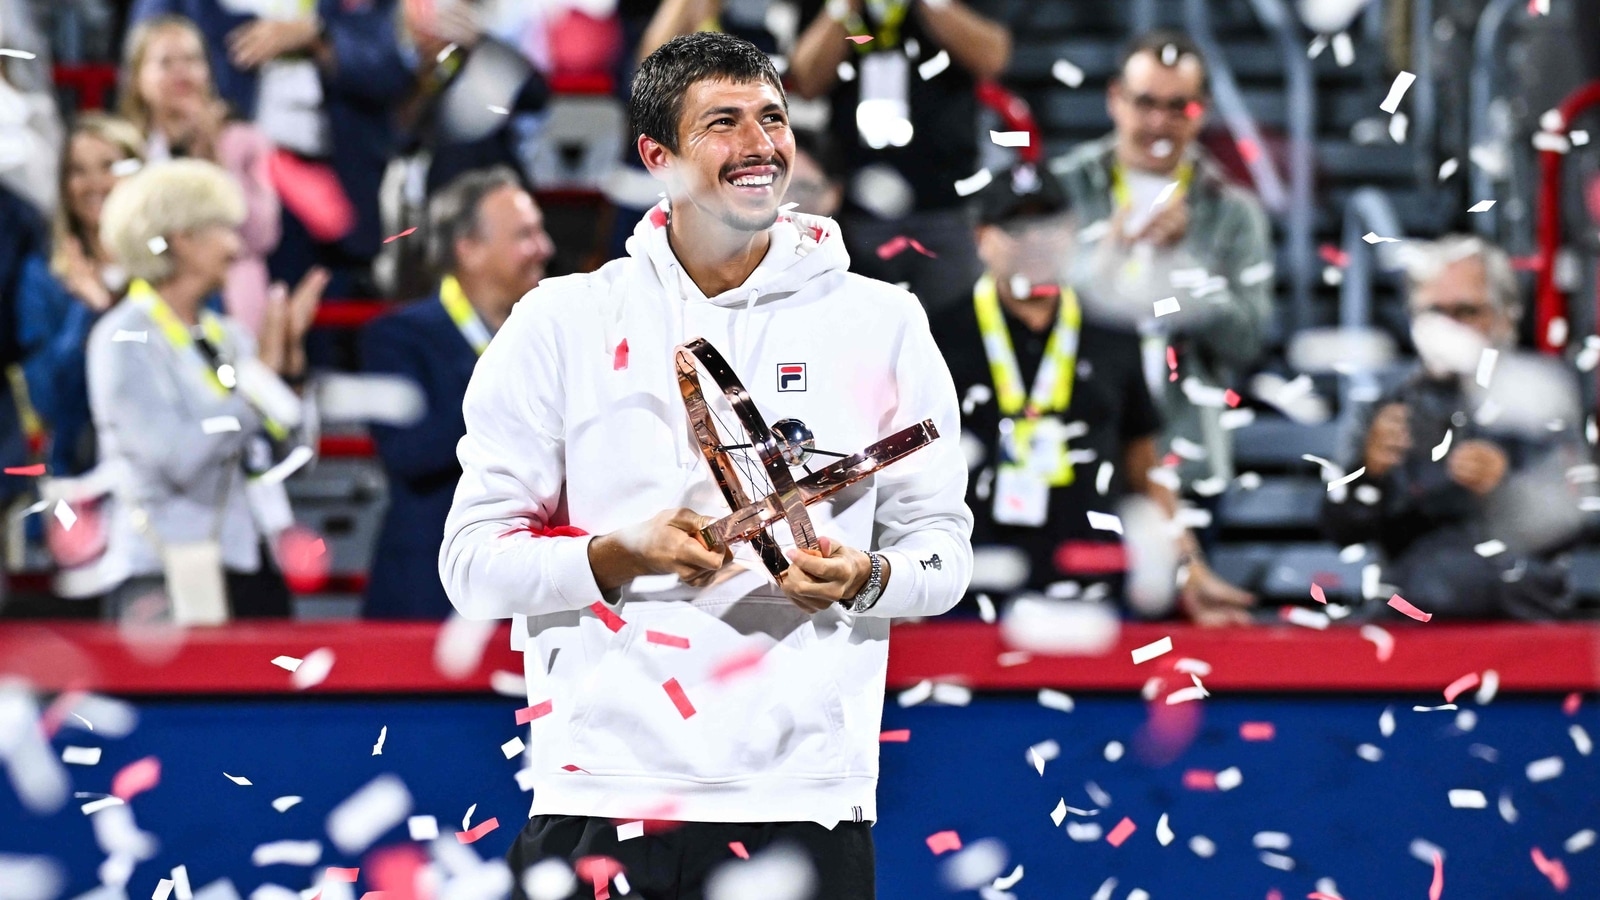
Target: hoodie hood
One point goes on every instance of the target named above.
(803, 247)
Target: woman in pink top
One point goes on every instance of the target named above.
(167, 91)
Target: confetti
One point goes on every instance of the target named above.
(1059, 813)
(1552, 869)
(157, 245)
(383, 735)
(367, 814)
(1380, 638)
(1344, 49)
(1486, 365)
(1468, 799)
(932, 66)
(1257, 731)
(1229, 778)
(513, 747)
(1122, 832)
(1579, 137)
(1166, 307)
(1277, 861)
(1202, 846)
(65, 515)
(986, 610)
(1436, 889)
(1317, 594)
(1399, 603)
(16, 54)
(1041, 753)
(1580, 739)
(537, 711)
(1446, 707)
(1104, 522)
(81, 756)
(1185, 695)
(1010, 881)
(137, 337)
(666, 640)
(91, 808)
(422, 828)
(627, 831)
(286, 662)
(952, 694)
(679, 698)
(943, 842)
(347, 876)
(915, 694)
(1341, 482)
(477, 831)
(1066, 73)
(163, 889)
(1386, 722)
(738, 846)
(619, 362)
(1372, 237)
(1481, 206)
(607, 616)
(1580, 841)
(1460, 686)
(287, 853)
(1271, 840)
(897, 736)
(1448, 168)
(36, 469)
(284, 804)
(1114, 751)
(859, 39)
(1489, 548)
(1369, 752)
(1152, 650)
(1545, 769)
(1009, 138)
(314, 670)
(1317, 45)
(498, 110)
(180, 883)
(974, 183)
(395, 237)
(1397, 91)
(220, 425)
(1551, 143)
(237, 779)
(1570, 704)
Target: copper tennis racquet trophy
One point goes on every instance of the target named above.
(789, 443)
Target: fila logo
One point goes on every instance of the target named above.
(791, 376)
(933, 562)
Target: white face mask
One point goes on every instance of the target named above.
(1446, 346)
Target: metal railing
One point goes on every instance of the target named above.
(1367, 210)
(1485, 65)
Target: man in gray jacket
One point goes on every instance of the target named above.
(1172, 247)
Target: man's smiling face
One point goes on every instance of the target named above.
(734, 153)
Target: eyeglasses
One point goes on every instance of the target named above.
(1187, 107)
(1461, 311)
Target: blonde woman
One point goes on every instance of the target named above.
(183, 406)
(60, 296)
(167, 90)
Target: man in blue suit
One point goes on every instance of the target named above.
(486, 237)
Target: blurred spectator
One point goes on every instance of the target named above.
(167, 91)
(1474, 465)
(321, 80)
(30, 126)
(904, 139)
(1055, 409)
(64, 292)
(1161, 222)
(741, 18)
(487, 238)
(186, 412)
(814, 176)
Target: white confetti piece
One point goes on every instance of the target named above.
(220, 424)
(915, 694)
(466, 820)
(1508, 810)
(526, 778)
(1486, 363)
(1008, 882)
(1468, 799)
(1097, 794)
(1041, 753)
(1489, 548)
(383, 735)
(237, 779)
(1381, 639)
(1372, 237)
(974, 183)
(986, 610)
(1202, 846)
(1423, 850)
(1344, 50)
(16, 54)
(1546, 142)
(627, 831)
(1397, 91)
(621, 881)
(1386, 722)
(1580, 842)
(1066, 73)
(1164, 831)
(1013, 658)
(1114, 751)
(291, 464)
(1306, 618)
(1104, 522)
(952, 694)
(932, 66)
(513, 747)
(1271, 840)
(125, 336)
(284, 804)
(1481, 206)
(1545, 769)
(287, 853)
(1552, 120)
(313, 670)
(1579, 137)
(1053, 699)
(498, 110)
(1443, 707)
(1166, 307)
(1085, 832)
(1443, 446)
(157, 245)
(65, 515)
(1399, 125)
(1152, 650)
(367, 814)
(1229, 778)
(1448, 168)
(1009, 138)
(81, 756)
(1580, 739)
(1370, 752)
(422, 828)
(1466, 720)
(1261, 272)
(1317, 45)
(1488, 688)
(93, 807)
(180, 883)
(1277, 861)
(1138, 894)
(286, 662)
(1059, 814)
(1341, 482)
(1186, 695)
(163, 889)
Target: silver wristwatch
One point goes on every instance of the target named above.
(868, 596)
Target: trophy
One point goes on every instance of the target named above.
(789, 443)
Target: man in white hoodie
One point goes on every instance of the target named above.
(668, 683)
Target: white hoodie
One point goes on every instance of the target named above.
(565, 429)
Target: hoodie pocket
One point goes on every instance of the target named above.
(753, 694)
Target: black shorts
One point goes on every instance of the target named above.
(672, 861)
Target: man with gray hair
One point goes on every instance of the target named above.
(486, 241)
(1471, 469)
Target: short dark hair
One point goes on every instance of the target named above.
(656, 102)
(1156, 43)
(455, 211)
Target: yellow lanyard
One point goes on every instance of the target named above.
(177, 335)
(1119, 182)
(1052, 385)
(461, 312)
(890, 15)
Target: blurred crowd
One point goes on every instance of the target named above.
(1101, 310)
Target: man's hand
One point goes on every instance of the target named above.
(1210, 601)
(264, 40)
(1388, 440)
(1169, 224)
(817, 579)
(667, 543)
(1479, 466)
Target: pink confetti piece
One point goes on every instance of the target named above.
(569, 767)
(898, 736)
(136, 777)
(859, 38)
(734, 665)
(1258, 731)
(1400, 604)
(1571, 703)
(1381, 639)
(1200, 780)
(1172, 363)
(1318, 895)
(738, 849)
(1122, 832)
(1460, 686)
(667, 640)
(1232, 398)
(917, 246)
(537, 711)
(477, 831)
(395, 237)
(1553, 869)
(893, 247)
(606, 615)
(1436, 889)
(598, 871)
(619, 357)
(35, 469)
(679, 698)
(347, 876)
(1317, 594)
(943, 842)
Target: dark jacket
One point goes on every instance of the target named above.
(420, 343)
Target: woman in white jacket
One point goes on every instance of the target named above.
(187, 410)
(744, 709)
